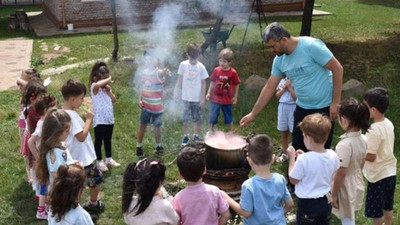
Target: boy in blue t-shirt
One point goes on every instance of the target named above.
(265, 198)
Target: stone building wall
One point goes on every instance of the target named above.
(98, 12)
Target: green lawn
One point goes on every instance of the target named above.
(363, 34)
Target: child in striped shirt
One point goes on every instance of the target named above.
(150, 101)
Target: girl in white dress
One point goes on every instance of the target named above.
(348, 185)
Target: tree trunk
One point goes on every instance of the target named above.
(307, 18)
(114, 31)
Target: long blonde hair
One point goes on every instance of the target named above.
(55, 123)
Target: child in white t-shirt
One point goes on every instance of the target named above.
(192, 80)
(313, 171)
(380, 162)
(79, 141)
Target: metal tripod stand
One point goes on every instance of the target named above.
(257, 5)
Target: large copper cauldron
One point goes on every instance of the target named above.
(225, 157)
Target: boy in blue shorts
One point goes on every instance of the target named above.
(380, 162)
(264, 198)
(224, 89)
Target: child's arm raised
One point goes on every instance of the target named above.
(81, 136)
(291, 89)
(109, 92)
(100, 84)
(292, 156)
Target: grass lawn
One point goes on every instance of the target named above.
(363, 34)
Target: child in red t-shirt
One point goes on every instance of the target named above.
(224, 89)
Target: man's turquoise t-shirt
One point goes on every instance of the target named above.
(305, 67)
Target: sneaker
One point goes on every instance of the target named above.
(159, 150)
(101, 166)
(113, 163)
(291, 218)
(196, 137)
(139, 152)
(99, 207)
(185, 140)
(42, 215)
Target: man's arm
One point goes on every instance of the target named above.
(263, 99)
(337, 72)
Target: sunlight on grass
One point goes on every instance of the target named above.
(363, 34)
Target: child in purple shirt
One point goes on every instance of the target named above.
(198, 203)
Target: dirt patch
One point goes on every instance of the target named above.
(57, 52)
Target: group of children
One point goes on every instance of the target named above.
(58, 147)
(325, 181)
(54, 137)
(191, 89)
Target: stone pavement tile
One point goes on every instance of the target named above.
(15, 56)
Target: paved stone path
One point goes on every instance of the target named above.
(15, 56)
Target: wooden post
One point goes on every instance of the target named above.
(114, 31)
(307, 18)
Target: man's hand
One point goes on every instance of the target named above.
(247, 119)
(333, 110)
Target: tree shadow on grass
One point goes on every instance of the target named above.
(387, 3)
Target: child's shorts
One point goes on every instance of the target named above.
(146, 117)
(191, 112)
(214, 113)
(42, 190)
(285, 116)
(94, 176)
(380, 196)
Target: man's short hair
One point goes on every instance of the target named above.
(316, 126)
(193, 50)
(72, 88)
(191, 164)
(260, 149)
(377, 97)
(275, 31)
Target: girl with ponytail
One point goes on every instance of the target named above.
(142, 199)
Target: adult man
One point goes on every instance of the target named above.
(315, 73)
